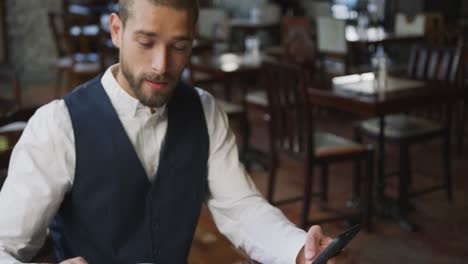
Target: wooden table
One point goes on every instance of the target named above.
(403, 96)
(227, 67)
(369, 104)
(376, 35)
(226, 63)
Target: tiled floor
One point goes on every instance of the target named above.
(443, 237)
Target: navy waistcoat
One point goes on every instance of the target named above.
(113, 214)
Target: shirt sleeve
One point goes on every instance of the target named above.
(239, 210)
(39, 175)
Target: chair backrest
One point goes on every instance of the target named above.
(331, 36)
(288, 108)
(299, 48)
(405, 25)
(438, 63)
(434, 27)
(294, 23)
(212, 23)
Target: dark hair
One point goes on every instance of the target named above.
(190, 5)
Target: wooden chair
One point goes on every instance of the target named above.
(77, 39)
(429, 25)
(11, 127)
(410, 25)
(288, 24)
(446, 64)
(332, 47)
(438, 64)
(292, 130)
(298, 48)
(463, 106)
(235, 112)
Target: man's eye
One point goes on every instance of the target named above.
(145, 44)
(180, 47)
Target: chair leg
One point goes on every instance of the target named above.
(447, 167)
(380, 186)
(59, 83)
(272, 179)
(245, 131)
(356, 181)
(409, 172)
(357, 171)
(357, 134)
(368, 200)
(403, 196)
(461, 128)
(324, 186)
(309, 175)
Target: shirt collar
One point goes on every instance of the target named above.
(124, 104)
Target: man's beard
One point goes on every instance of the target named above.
(157, 98)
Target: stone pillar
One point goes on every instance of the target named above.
(30, 44)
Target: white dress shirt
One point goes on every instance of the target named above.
(42, 169)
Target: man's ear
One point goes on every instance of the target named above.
(116, 29)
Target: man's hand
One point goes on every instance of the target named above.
(78, 260)
(315, 243)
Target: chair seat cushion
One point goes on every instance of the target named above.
(12, 127)
(402, 126)
(327, 144)
(257, 97)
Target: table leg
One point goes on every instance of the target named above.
(448, 152)
(403, 196)
(381, 160)
(389, 207)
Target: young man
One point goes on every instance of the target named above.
(121, 166)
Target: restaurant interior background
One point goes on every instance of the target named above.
(384, 75)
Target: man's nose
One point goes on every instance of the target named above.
(159, 60)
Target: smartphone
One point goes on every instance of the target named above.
(335, 247)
